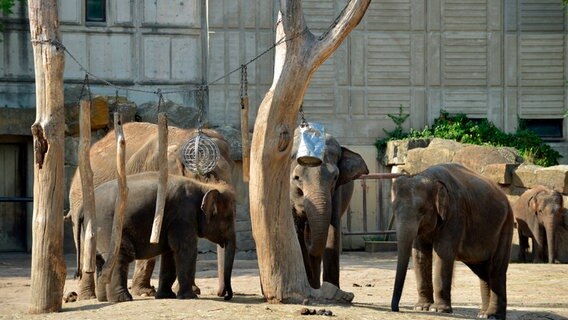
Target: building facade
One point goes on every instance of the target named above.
(504, 60)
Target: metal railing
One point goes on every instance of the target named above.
(383, 199)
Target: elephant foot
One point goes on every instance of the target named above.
(187, 295)
(226, 293)
(330, 293)
(484, 315)
(143, 291)
(165, 294)
(87, 296)
(196, 289)
(422, 306)
(441, 308)
(120, 297)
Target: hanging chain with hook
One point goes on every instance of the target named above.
(244, 85)
(303, 122)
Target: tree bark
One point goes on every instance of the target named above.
(120, 205)
(88, 189)
(282, 274)
(48, 269)
(163, 177)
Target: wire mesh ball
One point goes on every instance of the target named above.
(200, 154)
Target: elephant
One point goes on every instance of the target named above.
(319, 196)
(142, 155)
(538, 211)
(446, 213)
(192, 209)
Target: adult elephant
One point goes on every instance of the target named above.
(142, 156)
(192, 209)
(538, 212)
(448, 213)
(319, 196)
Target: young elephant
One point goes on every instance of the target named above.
(448, 213)
(192, 209)
(538, 212)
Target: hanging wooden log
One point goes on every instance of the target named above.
(163, 177)
(120, 206)
(89, 219)
(245, 138)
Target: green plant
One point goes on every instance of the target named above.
(375, 238)
(483, 132)
(397, 132)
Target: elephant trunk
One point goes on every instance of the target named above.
(318, 211)
(225, 259)
(405, 236)
(550, 228)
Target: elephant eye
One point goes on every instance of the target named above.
(296, 177)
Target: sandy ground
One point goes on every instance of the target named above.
(535, 291)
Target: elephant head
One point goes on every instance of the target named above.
(547, 206)
(317, 200)
(216, 222)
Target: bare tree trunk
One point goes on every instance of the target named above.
(163, 177)
(282, 274)
(48, 264)
(120, 205)
(88, 189)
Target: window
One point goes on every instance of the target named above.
(545, 128)
(95, 11)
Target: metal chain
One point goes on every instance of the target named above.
(303, 123)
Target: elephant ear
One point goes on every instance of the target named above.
(533, 203)
(442, 200)
(351, 166)
(209, 204)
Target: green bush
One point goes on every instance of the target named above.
(482, 132)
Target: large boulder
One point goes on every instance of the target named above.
(178, 115)
(495, 163)
(528, 176)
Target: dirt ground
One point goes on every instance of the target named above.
(535, 291)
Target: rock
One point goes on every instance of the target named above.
(233, 136)
(99, 115)
(178, 115)
(397, 150)
(127, 109)
(438, 151)
(555, 177)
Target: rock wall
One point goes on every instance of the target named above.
(502, 165)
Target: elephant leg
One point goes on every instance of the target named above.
(185, 259)
(141, 279)
(101, 290)
(422, 261)
(167, 276)
(443, 271)
(539, 245)
(87, 286)
(331, 256)
(117, 288)
(498, 266)
(315, 264)
(482, 271)
(523, 246)
(304, 249)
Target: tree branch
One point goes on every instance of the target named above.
(349, 19)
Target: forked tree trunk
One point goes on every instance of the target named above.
(282, 274)
(48, 264)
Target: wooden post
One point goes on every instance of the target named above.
(89, 213)
(48, 269)
(245, 138)
(120, 205)
(163, 177)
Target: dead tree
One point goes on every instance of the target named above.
(282, 274)
(48, 264)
